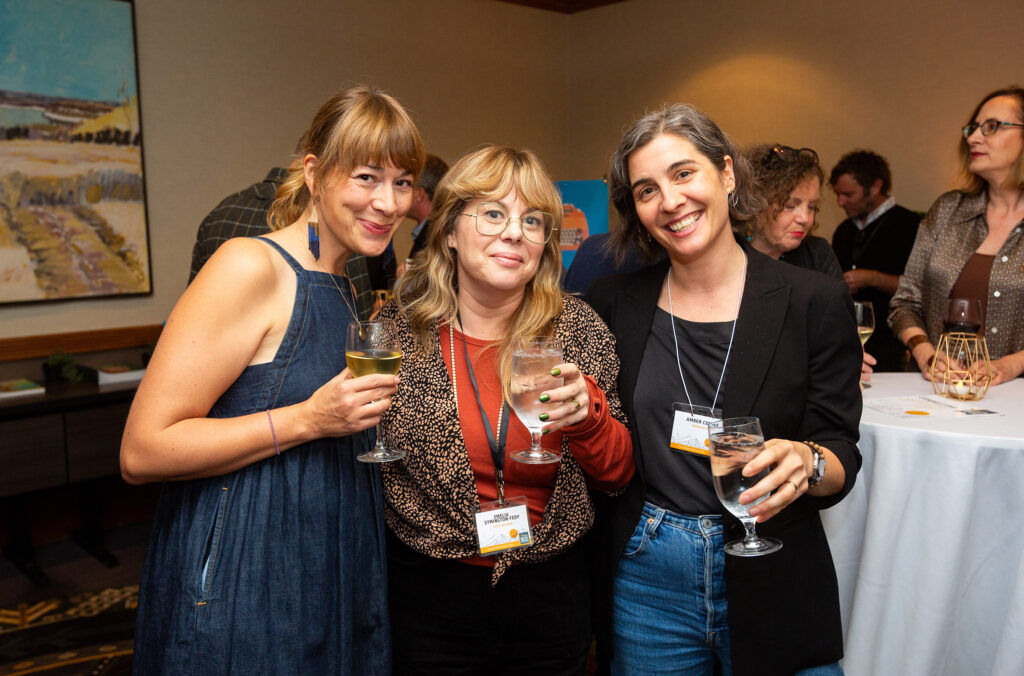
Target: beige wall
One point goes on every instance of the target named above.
(226, 91)
(898, 77)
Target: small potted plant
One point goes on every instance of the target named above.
(61, 367)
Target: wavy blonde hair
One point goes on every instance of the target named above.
(428, 293)
(360, 125)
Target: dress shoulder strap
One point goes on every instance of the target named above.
(284, 254)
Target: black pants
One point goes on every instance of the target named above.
(446, 618)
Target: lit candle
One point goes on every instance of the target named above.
(961, 387)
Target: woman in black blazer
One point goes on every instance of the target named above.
(722, 326)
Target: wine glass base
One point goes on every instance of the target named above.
(758, 547)
(530, 457)
(381, 455)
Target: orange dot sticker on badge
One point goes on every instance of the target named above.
(513, 533)
(917, 412)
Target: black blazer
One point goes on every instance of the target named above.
(795, 364)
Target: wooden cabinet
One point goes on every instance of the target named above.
(32, 454)
(67, 435)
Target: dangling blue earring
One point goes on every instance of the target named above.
(314, 233)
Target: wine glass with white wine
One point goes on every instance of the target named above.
(531, 376)
(734, 443)
(865, 315)
(372, 347)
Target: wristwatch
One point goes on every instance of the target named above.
(817, 464)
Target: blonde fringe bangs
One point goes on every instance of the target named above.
(357, 126)
(427, 295)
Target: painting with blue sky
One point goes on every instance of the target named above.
(72, 191)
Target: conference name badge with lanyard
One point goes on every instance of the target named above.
(504, 523)
(690, 427)
(690, 423)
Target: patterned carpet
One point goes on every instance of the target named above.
(87, 633)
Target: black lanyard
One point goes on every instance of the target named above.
(497, 445)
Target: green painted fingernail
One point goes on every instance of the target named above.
(556, 371)
(545, 430)
(543, 416)
(545, 398)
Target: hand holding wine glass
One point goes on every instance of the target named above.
(865, 316)
(734, 443)
(372, 347)
(533, 365)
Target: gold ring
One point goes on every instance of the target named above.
(796, 489)
(576, 405)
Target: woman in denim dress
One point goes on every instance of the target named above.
(267, 551)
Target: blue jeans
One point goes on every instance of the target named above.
(670, 613)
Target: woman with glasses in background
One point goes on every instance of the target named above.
(789, 180)
(971, 243)
(488, 279)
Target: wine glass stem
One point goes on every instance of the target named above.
(535, 442)
(750, 539)
(379, 446)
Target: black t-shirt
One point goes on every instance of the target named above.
(677, 480)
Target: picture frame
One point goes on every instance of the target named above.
(73, 216)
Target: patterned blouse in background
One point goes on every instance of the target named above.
(949, 235)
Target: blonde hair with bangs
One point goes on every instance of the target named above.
(428, 293)
(360, 125)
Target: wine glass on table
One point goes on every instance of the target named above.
(734, 443)
(963, 315)
(865, 315)
(372, 347)
(531, 376)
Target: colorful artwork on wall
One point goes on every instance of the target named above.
(72, 189)
(584, 213)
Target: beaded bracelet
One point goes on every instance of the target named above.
(273, 433)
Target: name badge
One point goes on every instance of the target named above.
(690, 428)
(503, 525)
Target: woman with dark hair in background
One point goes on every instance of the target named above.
(745, 336)
(971, 243)
(789, 180)
(267, 551)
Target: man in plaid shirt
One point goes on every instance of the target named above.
(244, 214)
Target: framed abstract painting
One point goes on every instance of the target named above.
(72, 187)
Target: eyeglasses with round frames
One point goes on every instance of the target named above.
(787, 154)
(492, 219)
(988, 127)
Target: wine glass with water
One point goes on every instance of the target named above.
(734, 443)
(865, 315)
(372, 347)
(531, 376)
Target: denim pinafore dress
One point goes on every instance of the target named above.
(277, 568)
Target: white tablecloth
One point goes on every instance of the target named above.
(929, 545)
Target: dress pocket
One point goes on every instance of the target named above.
(212, 548)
